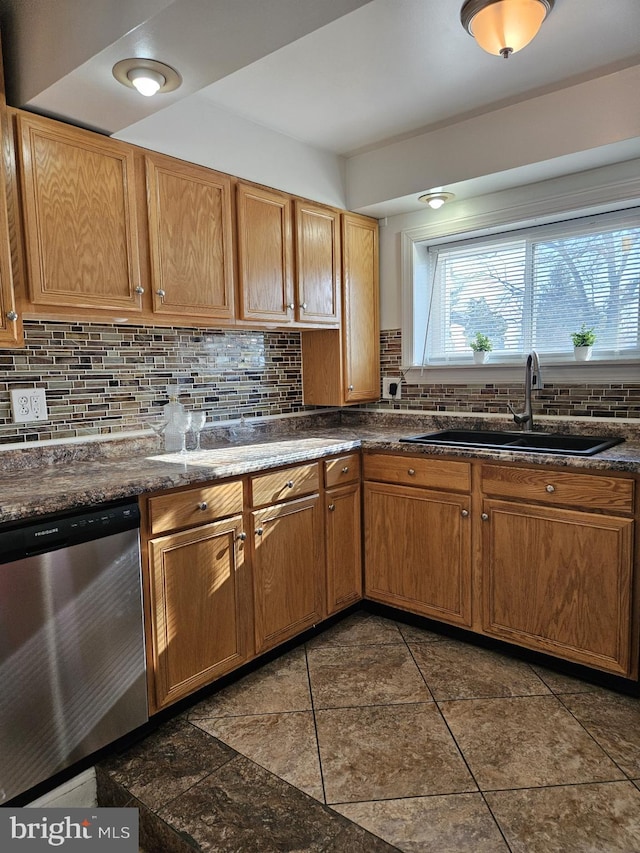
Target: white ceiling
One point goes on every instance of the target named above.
(345, 76)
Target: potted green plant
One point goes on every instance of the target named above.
(481, 346)
(583, 341)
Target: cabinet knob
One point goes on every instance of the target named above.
(291, 306)
(203, 505)
(350, 388)
(411, 472)
(161, 293)
(465, 513)
(303, 305)
(242, 536)
(551, 489)
(290, 484)
(332, 507)
(259, 531)
(484, 516)
(139, 290)
(11, 315)
(345, 470)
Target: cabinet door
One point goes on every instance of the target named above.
(343, 542)
(418, 551)
(265, 255)
(80, 217)
(559, 581)
(318, 258)
(190, 232)
(287, 570)
(11, 333)
(200, 606)
(361, 328)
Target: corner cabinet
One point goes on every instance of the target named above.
(418, 535)
(558, 564)
(191, 240)
(197, 589)
(343, 367)
(81, 232)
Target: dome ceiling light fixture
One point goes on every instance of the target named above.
(147, 76)
(435, 199)
(502, 27)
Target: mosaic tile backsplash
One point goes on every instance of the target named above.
(104, 379)
(107, 379)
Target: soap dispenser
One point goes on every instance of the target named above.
(173, 414)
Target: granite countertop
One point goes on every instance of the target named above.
(38, 483)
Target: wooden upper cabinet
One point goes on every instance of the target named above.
(265, 255)
(79, 203)
(361, 325)
(11, 333)
(318, 257)
(191, 239)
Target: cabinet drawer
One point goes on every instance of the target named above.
(285, 484)
(194, 506)
(583, 491)
(416, 471)
(343, 470)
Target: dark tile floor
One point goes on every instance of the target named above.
(375, 736)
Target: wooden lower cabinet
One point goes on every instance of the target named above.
(343, 544)
(559, 581)
(288, 568)
(200, 600)
(418, 551)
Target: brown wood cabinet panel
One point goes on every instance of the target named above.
(418, 551)
(284, 484)
(11, 332)
(343, 547)
(559, 581)
(418, 471)
(194, 506)
(199, 606)
(361, 325)
(586, 491)
(288, 570)
(318, 263)
(191, 239)
(342, 470)
(265, 255)
(80, 217)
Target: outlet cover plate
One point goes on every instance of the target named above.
(387, 382)
(28, 405)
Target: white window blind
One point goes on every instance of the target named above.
(531, 289)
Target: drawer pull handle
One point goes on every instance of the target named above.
(484, 516)
(259, 531)
(411, 472)
(345, 470)
(290, 484)
(465, 513)
(242, 536)
(203, 506)
(332, 507)
(551, 489)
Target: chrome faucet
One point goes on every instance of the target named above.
(532, 381)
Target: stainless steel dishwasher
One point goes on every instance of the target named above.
(72, 659)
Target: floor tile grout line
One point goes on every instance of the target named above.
(315, 725)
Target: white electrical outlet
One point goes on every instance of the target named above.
(28, 404)
(391, 387)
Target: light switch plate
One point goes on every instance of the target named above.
(28, 404)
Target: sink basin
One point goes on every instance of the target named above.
(532, 442)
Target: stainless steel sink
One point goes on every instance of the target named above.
(532, 442)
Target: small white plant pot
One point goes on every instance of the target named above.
(582, 353)
(481, 356)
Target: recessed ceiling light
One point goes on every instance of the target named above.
(147, 76)
(435, 200)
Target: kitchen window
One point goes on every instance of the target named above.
(530, 289)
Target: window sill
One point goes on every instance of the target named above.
(573, 373)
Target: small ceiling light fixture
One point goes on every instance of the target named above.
(502, 27)
(435, 200)
(147, 76)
